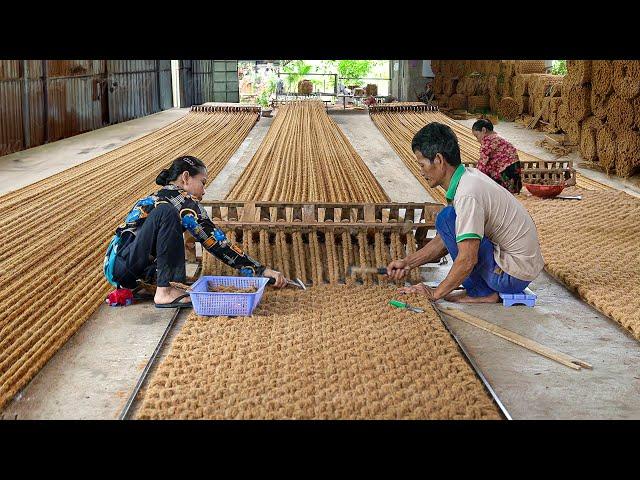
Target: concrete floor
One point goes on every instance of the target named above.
(531, 386)
(94, 373)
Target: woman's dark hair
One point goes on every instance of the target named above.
(186, 163)
(437, 138)
(477, 126)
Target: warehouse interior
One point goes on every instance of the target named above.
(321, 184)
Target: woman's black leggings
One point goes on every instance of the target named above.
(156, 250)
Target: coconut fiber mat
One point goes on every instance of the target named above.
(55, 234)
(592, 246)
(331, 352)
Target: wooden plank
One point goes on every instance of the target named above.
(370, 213)
(261, 204)
(513, 337)
(248, 212)
(402, 227)
(309, 214)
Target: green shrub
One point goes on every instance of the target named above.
(559, 67)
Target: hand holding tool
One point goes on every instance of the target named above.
(294, 283)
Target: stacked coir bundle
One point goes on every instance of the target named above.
(477, 103)
(542, 88)
(539, 93)
(521, 92)
(508, 109)
(305, 87)
(483, 83)
(458, 101)
(529, 66)
(602, 99)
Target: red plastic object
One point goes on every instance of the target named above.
(120, 297)
(369, 101)
(544, 191)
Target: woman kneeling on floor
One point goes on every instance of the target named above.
(150, 242)
(498, 158)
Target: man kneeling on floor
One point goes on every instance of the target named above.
(486, 230)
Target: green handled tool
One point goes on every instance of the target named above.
(399, 304)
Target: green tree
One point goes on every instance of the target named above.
(354, 69)
(271, 85)
(559, 67)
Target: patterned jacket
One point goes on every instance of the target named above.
(496, 154)
(196, 220)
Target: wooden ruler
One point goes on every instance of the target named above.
(513, 337)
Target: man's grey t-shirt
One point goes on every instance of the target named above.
(484, 208)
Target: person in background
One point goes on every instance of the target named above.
(429, 93)
(369, 101)
(498, 158)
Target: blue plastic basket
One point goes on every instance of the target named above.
(229, 304)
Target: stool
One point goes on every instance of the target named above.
(527, 298)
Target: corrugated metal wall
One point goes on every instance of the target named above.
(73, 97)
(11, 126)
(46, 100)
(208, 81)
(166, 90)
(185, 83)
(133, 89)
(36, 133)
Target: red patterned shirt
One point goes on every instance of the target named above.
(496, 154)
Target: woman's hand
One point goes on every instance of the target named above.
(397, 269)
(279, 277)
(420, 288)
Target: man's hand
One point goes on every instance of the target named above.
(279, 277)
(420, 288)
(397, 269)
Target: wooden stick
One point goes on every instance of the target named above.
(513, 337)
(535, 120)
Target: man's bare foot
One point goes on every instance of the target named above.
(168, 295)
(462, 297)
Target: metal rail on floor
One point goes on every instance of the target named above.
(124, 414)
(486, 383)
